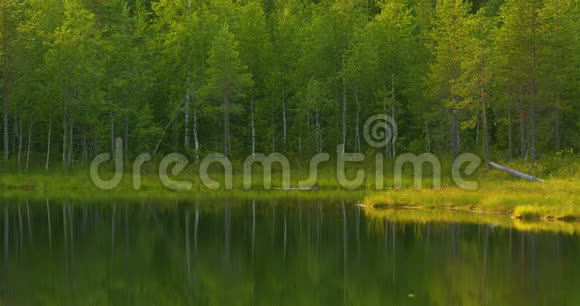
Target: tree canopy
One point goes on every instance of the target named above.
(495, 77)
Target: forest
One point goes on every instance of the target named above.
(112, 110)
(497, 78)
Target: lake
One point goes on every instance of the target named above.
(271, 252)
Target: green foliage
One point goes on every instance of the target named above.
(291, 76)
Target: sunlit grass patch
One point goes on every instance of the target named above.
(553, 199)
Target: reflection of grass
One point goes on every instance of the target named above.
(376, 219)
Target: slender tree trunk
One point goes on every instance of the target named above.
(557, 127)
(186, 113)
(344, 112)
(5, 85)
(357, 120)
(195, 135)
(48, 144)
(284, 117)
(510, 142)
(532, 136)
(112, 134)
(522, 127)
(427, 137)
(299, 143)
(253, 127)
(5, 121)
(273, 125)
(386, 114)
(393, 144)
(64, 132)
(477, 128)
(85, 149)
(15, 138)
(486, 156)
(29, 144)
(165, 130)
(455, 132)
(318, 136)
(483, 103)
(70, 144)
(533, 90)
(20, 140)
(226, 126)
(125, 133)
(187, 97)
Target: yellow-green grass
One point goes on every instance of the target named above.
(77, 183)
(554, 199)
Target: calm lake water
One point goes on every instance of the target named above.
(232, 252)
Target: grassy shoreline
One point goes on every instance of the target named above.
(555, 199)
(558, 198)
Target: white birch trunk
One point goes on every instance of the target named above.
(195, 136)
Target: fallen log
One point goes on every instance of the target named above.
(516, 173)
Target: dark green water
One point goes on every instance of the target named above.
(270, 253)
